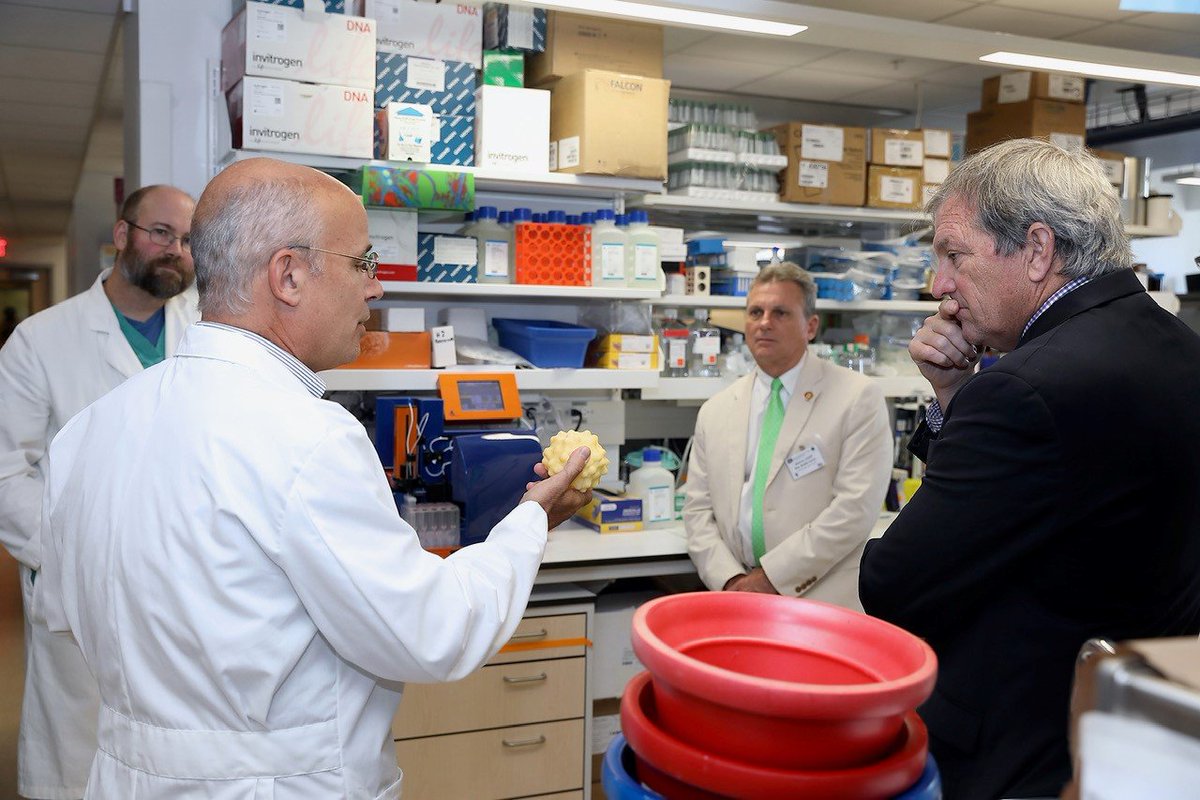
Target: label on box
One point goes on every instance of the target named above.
(937, 144)
(455, 250)
(814, 174)
(707, 346)
(1066, 87)
(927, 192)
(645, 262)
(903, 152)
(1014, 87)
(1113, 170)
(821, 142)
(677, 353)
(936, 170)
(270, 23)
(427, 74)
(659, 504)
(266, 99)
(553, 156)
(568, 149)
(445, 31)
(633, 343)
(520, 28)
(896, 190)
(633, 361)
(1067, 141)
(495, 259)
(612, 262)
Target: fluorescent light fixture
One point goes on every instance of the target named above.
(676, 16)
(1113, 71)
(1187, 177)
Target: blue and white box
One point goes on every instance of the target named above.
(412, 132)
(448, 31)
(442, 258)
(514, 28)
(447, 87)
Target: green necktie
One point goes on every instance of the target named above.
(772, 422)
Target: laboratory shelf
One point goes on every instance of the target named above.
(677, 204)
(720, 301)
(509, 291)
(688, 389)
(1146, 232)
(486, 180)
(425, 380)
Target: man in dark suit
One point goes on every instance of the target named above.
(1060, 498)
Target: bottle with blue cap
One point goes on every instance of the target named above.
(520, 216)
(557, 217)
(642, 254)
(608, 251)
(493, 264)
(655, 486)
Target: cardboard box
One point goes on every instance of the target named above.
(592, 115)
(827, 164)
(405, 187)
(935, 170)
(400, 320)
(894, 187)
(615, 359)
(938, 143)
(427, 29)
(1017, 87)
(1114, 165)
(274, 41)
(513, 129)
(615, 663)
(412, 132)
(504, 68)
(447, 87)
(1062, 123)
(627, 343)
(382, 350)
(291, 117)
(442, 258)
(611, 514)
(895, 147)
(514, 27)
(575, 42)
(394, 237)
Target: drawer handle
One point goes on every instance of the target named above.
(524, 742)
(523, 637)
(541, 676)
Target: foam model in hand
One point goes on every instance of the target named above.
(562, 444)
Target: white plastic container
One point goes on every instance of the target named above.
(608, 251)
(655, 487)
(495, 246)
(519, 217)
(706, 347)
(642, 255)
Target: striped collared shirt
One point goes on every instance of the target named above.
(933, 412)
(314, 385)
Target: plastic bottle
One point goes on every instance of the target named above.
(587, 218)
(519, 217)
(608, 251)
(574, 219)
(706, 347)
(655, 486)
(733, 361)
(642, 254)
(539, 216)
(495, 242)
(468, 226)
(674, 336)
(557, 217)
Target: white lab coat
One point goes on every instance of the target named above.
(236, 572)
(55, 364)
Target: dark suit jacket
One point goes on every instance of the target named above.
(1061, 501)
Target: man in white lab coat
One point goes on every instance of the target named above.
(55, 364)
(233, 564)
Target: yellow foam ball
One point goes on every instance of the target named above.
(563, 443)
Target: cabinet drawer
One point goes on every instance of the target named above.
(558, 636)
(520, 761)
(494, 697)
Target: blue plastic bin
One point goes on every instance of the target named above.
(545, 342)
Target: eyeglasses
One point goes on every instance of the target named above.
(367, 264)
(163, 237)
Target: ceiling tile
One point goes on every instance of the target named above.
(59, 191)
(39, 116)
(775, 52)
(55, 29)
(903, 94)
(1170, 22)
(965, 75)
(44, 219)
(802, 83)
(34, 62)
(877, 65)
(694, 72)
(1106, 10)
(19, 171)
(1018, 21)
(1135, 37)
(55, 93)
(919, 10)
(678, 38)
(12, 132)
(41, 149)
(90, 6)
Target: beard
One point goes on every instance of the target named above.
(162, 277)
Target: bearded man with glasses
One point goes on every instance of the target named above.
(55, 364)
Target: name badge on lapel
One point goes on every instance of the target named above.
(804, 461)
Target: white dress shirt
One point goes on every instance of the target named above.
(759, 397)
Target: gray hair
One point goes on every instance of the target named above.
(787, 271)
(1013, 184)
(237, 239)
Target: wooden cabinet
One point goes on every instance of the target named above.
(517, 727)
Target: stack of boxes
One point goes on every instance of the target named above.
(906, 166)
(299, 80)
(827, 164)
(1040, 105)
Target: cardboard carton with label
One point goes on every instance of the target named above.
(610, 123)
(575, 42)
(894, 187)
(1065, 124)
(827, 164)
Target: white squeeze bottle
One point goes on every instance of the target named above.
(495, 242)
(608, 251)
(655, 486)
(644, 267)
(519, 217)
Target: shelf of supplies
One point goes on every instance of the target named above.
(1146, 232)
(513, 291)
(894, 386)
(486, 180)
(425, 380)
(720, 301)
(778, 210)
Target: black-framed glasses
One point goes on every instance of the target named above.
(367, 264)
(161, 236)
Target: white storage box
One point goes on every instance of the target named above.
(427, 28)
(291, 117)
(512, 129)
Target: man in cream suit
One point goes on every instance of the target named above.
(790, 464)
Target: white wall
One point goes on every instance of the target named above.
(92, 216)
